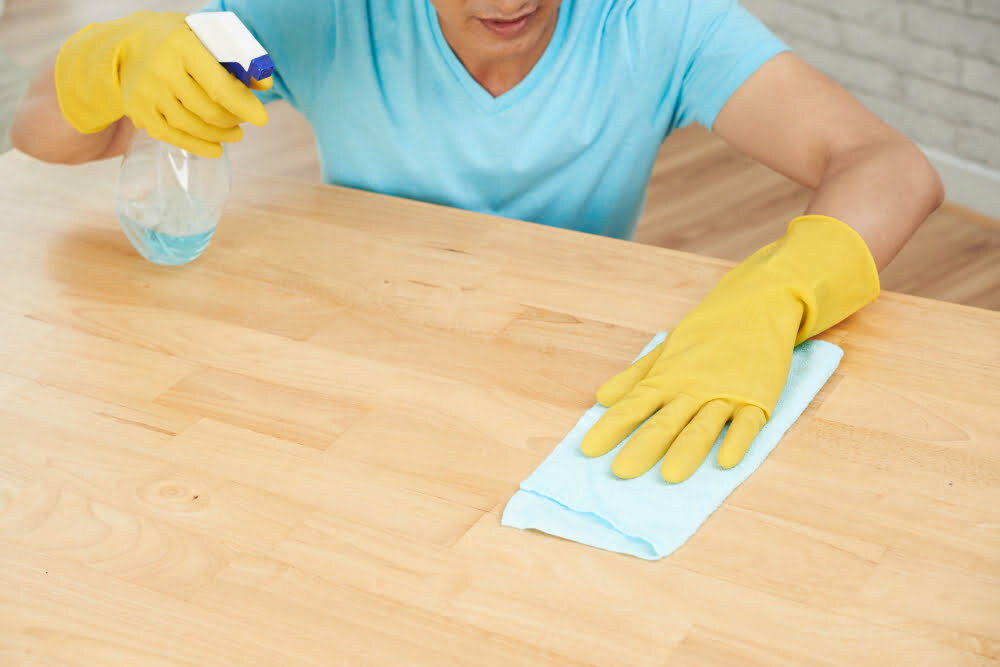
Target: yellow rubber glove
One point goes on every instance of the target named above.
(152, 68)
(728, 359)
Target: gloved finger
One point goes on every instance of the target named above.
(621, 384)
(180, 117)
(695, 441)
(621, 419)
(263, 84)
(220, 85)
(194, 97)
(744, 428)
(648, 445)
(159, 129)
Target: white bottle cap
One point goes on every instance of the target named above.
(232, 44)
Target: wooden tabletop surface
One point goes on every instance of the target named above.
(296, 450)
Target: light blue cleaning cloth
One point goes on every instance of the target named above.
(577, 497)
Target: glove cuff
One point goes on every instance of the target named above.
(832, 271)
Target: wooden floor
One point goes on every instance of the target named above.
(703, 198)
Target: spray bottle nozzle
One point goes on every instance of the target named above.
(232, 44)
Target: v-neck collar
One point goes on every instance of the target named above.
(475, 90)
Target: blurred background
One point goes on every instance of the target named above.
(930, 68)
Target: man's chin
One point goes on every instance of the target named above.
(501, 48)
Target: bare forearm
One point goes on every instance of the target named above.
(884, 191)
(41, 130)
(800, 123)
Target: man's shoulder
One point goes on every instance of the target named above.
(653, 18)
(664, 14)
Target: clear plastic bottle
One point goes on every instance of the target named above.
(168, 200)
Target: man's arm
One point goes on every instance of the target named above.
(728, 359)
(41, 130)
(800, 123)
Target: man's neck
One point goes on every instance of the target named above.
(499, 75)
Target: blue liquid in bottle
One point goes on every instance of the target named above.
(165, 249)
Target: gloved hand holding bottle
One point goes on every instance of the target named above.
(164, 72)
(152, 68)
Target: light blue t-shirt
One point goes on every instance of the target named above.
(572, 145)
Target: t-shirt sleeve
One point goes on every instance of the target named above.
(299, 37)
(723, 45)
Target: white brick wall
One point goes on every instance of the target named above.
(930, 68)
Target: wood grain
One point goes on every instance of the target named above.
(704, 197)
(296, 450)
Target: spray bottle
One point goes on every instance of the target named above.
(168, 200)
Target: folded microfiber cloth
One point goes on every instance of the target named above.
(577, 497)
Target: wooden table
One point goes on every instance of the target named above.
(297, 449)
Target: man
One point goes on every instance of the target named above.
(549, 111)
